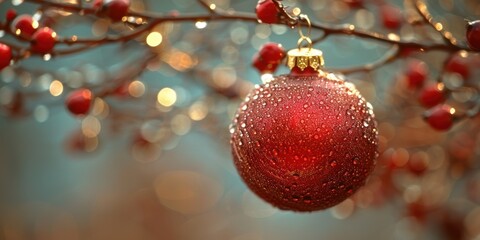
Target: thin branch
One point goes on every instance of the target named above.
(206, 6)
(242, 16)
(422, 9)
(389, 56)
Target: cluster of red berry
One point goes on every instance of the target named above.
(43, 39)
(440, 116)
(432, 96)
(391, 17)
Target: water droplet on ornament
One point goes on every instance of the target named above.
(295, 198)
(307, 199)
(316, 136)
(333, 163)
(244, 107)
(305, 105)
(350, 131)
(355, 161)
(365, 123)
(275, 152)
(243, 125)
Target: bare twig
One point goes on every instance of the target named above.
(389, 56)
(217, 15)
(422, 9)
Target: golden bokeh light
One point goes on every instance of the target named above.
(136, 88)
(56, 88)
(201, 24)
(154, 39)
(91, 126)
(181, 124)
(167, 97)
(198, 111)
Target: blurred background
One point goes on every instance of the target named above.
(152, 159)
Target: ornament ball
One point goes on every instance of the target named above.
(304, 142)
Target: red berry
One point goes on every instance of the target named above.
(458, 64)
(272, 53)
(269, 57)
(267, 11)
(416, 73)
(418, 211)
(473, 35)
(391, 17)
(97, 5)
(5, 56)
(79, 101)
(11, 15)
(262, 66)
(432, 95)
(354, 3)
(24, 25)
(418, 164)
(116, 9)
(440, 117)
(43, 40)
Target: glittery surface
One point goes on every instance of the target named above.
(304, 143)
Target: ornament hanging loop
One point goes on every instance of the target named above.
(302, 18)
(305, 39)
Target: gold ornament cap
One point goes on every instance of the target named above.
(305, 57)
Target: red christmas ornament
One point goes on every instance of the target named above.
(5, 56)
(305, 141)
(267, 11)
(79, 101)
(24, 25)
(43, 40)
(440, 117)
(473, 35)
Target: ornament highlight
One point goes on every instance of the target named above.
(305, 141)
